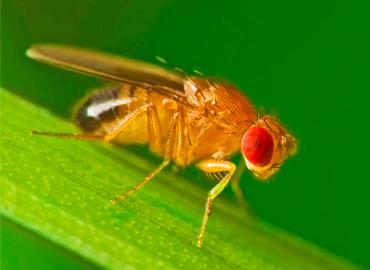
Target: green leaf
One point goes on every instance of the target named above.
(61, 189)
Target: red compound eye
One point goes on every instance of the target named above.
(257, 146)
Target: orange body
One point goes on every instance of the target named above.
(212, 126)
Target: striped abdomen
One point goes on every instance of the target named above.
(104, 108)
(98, 108)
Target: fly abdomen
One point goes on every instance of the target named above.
(103, 107)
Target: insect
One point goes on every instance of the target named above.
(184, 119)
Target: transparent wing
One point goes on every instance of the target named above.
(111, 67)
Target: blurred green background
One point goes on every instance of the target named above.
(306, 61)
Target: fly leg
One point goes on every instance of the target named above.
(142, 183)
(172, 138)
(213, 166)
(235, 184)
(109, 136)
(85, 137)
(154, 130)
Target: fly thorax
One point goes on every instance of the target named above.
(199, 91)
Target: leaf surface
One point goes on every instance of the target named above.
(61, 190)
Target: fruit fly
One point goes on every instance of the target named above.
(184, 119)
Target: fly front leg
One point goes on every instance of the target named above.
(214, 166)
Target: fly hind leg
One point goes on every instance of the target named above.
(85, 137)
(110, 135)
